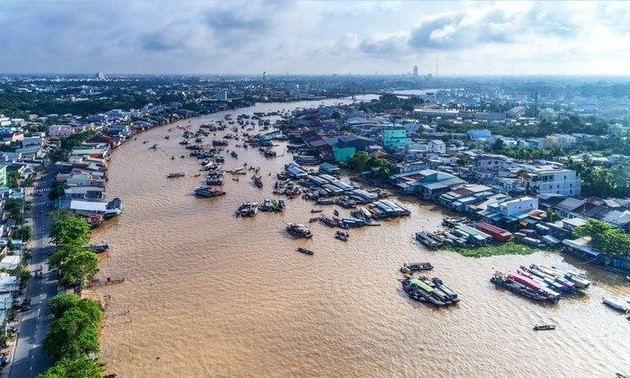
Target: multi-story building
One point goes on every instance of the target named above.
(517, 206)
(549, 179)
(395, 137)
(437, 146)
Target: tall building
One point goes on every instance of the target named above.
(221, 95)
(395, 137)
(549, 179)
(415, 71)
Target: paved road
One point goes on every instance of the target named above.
(29, 359)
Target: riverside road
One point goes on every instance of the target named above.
(29, 359)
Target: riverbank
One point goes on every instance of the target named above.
(492, 249)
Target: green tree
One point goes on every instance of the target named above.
(358, 161)
(72, 335)
(78, 266)
(13, 179)
(62, 302)
(551, 216)
(24, 232)
(69, 229)
(57, 190)
(91, 308)
(605, 237)
(81, 367)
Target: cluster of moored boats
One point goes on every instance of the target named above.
(428, 239)
(299, 230)
(208, 191)
(272, 205)
(342, 235)
(247, 209)
(424, 289)
(541, 283)
(429, 290)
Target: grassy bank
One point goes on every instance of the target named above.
(493, 249)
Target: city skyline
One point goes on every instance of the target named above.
(316, 37)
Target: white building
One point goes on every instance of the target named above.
(518, 206)
(562, 140)
(549, 179)
(437, 146)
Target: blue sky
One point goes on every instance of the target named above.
(315, 37)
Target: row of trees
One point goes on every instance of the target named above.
(74, 262)
(74, 333)
(605, 238)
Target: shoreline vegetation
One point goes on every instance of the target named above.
(492, 249)
(73, 338)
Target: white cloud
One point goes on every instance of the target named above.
(313, 36)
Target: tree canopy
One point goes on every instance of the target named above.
(62, 302)
(72, 335)
(74, 262)
(83, 367)
(68, 228)
(605, 237)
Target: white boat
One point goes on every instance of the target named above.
(615, 305)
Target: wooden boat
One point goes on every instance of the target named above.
(416, 267)
(336, 212)
(615, 305)
(305, 251)
(176, 174)
(544, 327)
(98, 248)
(313, 220)
(316, 210)
(341, 235)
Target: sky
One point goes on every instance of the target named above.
(315, 37)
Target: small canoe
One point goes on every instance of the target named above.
(544, 327)
(615, 305)
(305, 251)
(313, 220)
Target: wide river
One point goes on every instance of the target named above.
(207, 294)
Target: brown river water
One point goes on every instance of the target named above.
(212, 295)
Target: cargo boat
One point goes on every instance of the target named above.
(580, 282)
(500, 279)
(424, 290)
(415, 267)
(208, 191)
(299, 230)
(424, 238)
(532, 284)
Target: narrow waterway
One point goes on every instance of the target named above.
(209, 294)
